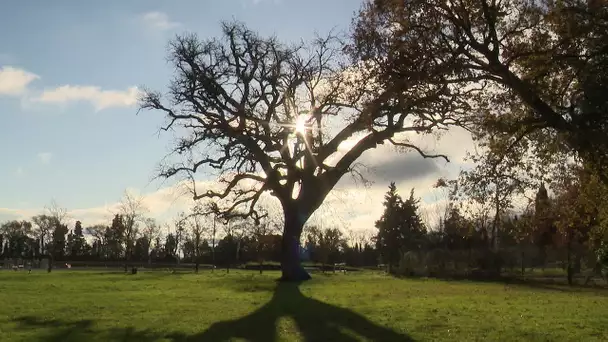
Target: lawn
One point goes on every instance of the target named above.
(243, 305)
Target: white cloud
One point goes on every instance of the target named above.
(14, 81)
(45, 157)
(19, 171)
(100, 99)
(248, 3)
(256, 2)
(158, 21)
(16, 214)
(348, 206)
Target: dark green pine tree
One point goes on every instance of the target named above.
(115, 238)
(59, 241)
(77, 245)
(388, 239)
(400, 229)
(413, 230)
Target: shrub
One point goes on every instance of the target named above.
(435, 262)
(602, 258)
(408, 263)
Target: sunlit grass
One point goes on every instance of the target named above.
(160, 306)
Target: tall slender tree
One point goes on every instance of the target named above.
(400, 228)
(150, 230)
(196, 226)
(388, 239)
(131, 209)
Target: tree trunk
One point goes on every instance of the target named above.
(197, 252)
(50, 263)
(291, 268)
(149, 253)
(238, 247)
(259, 253)
(523, 265)
(127, 258)
(496, 221)
(570, 269)
(213, 248)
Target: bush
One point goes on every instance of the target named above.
(602, 258)
(407, 264)
(435, 262)
(491, 262)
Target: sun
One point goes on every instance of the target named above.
(300, 125)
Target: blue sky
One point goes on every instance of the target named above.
(85, 157)
(69, 129)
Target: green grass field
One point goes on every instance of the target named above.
(245, 306)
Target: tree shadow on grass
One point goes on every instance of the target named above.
(548, 283)
(83, 330)
(315, 320)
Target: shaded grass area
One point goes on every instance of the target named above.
(242, 305)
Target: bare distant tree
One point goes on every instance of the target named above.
(132, 210)
(262, 232)
(179, 232)
(196, 224)
(98, 232)
(45, 224)
(150, 230)
(236, 227)
(57, 212)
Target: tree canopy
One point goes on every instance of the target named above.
(531, 69)
(270, 117)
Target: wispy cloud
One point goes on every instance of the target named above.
(16, 214)
(100, 99)
(45, 157)
(14, 81)
(349, 206)
(256, 2)
(158, 21)
(249, 3)
(19, 171)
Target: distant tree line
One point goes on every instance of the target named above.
(564, 229)
(109, 243)
(131, 238)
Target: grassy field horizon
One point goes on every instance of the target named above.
(244, 305)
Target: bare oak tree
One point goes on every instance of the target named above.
(269, 117)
